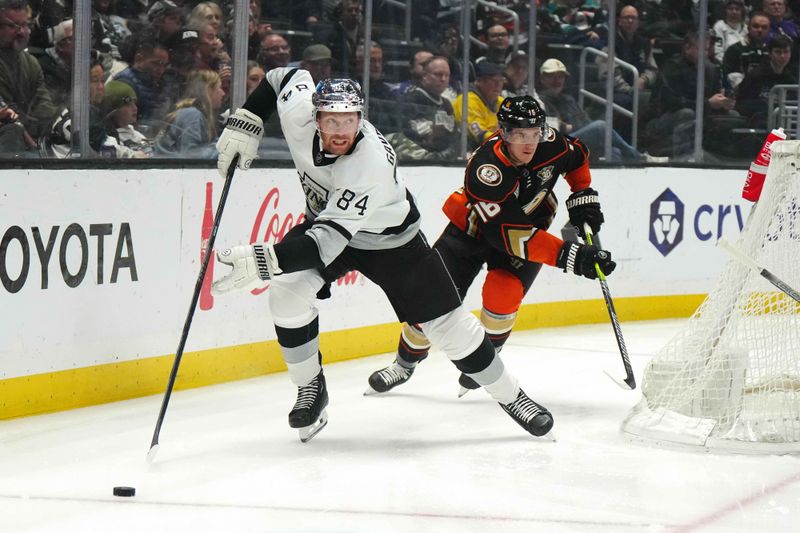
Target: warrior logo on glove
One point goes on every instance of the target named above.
(241, 136)
(584, 208)
(251, 264)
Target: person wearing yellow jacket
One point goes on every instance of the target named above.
(483, 101)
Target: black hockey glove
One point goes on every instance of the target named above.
(581, 258)
(584, 207)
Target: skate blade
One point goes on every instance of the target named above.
(307, 433)
(549, 436)
(370, 391)
(462, 391)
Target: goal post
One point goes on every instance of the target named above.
(730, 379)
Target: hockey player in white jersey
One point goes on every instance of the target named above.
(359, 216)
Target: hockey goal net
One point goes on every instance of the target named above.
(730, 380)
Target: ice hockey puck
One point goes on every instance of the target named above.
(124, 491)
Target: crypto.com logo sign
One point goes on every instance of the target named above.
(666, 222)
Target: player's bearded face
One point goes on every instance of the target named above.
(521, 143)
(337, 131)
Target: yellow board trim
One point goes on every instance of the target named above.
(81, 387)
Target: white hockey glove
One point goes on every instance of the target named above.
(252, 263)
(241, 136)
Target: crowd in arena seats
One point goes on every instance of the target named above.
(161, 72)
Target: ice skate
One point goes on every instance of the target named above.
(466, 384)
(530, 415)
(388, 378)
(309, 415)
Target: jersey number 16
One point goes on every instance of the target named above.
(486, 210)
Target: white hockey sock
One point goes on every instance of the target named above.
(505, 389)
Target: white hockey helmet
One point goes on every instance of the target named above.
(338, 95)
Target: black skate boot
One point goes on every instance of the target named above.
(530, 415)
(466, 384)
(388, 378)
(309, 415)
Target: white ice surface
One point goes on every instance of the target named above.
(417, 459)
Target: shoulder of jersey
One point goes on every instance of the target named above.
(288, 81)
(555, 145)
(490, 175)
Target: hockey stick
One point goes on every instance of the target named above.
(151, 454)
(755, 267)
(629, 383)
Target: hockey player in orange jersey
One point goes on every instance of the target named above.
(500, 218)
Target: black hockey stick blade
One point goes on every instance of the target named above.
(763, 272)
(629, 383)
(151, 454)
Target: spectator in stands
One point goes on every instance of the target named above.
(780, 23)
(253, 36)
(183, 59)
(447, 43)
(97, 80)
(571, 120)
(516, 74)
(344, 35)
(46, 14)
(22, 86)
(483, 100)
(119, 116)
(12, 133)
(256, 31)
(209, 46)
(579, 30)
(254, 76)
(275, 52)
(191, 129)
(150, 60)
(486, 15)
(753, 93)
(429, 126)
(632, 47)
(56, 63)
(57, 143)
(674, 99)
(317, 61)
(668, 19)
(212, 54)
(382, 104)
(255, 9)
(414, 71)
(548, 23)
(377, 86)
(743, 57)
(730, 29)
(498, 44)
(109, 30)
(206, 12)
(166, 19)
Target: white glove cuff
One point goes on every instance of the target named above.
(266, 261)
(246, 122)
